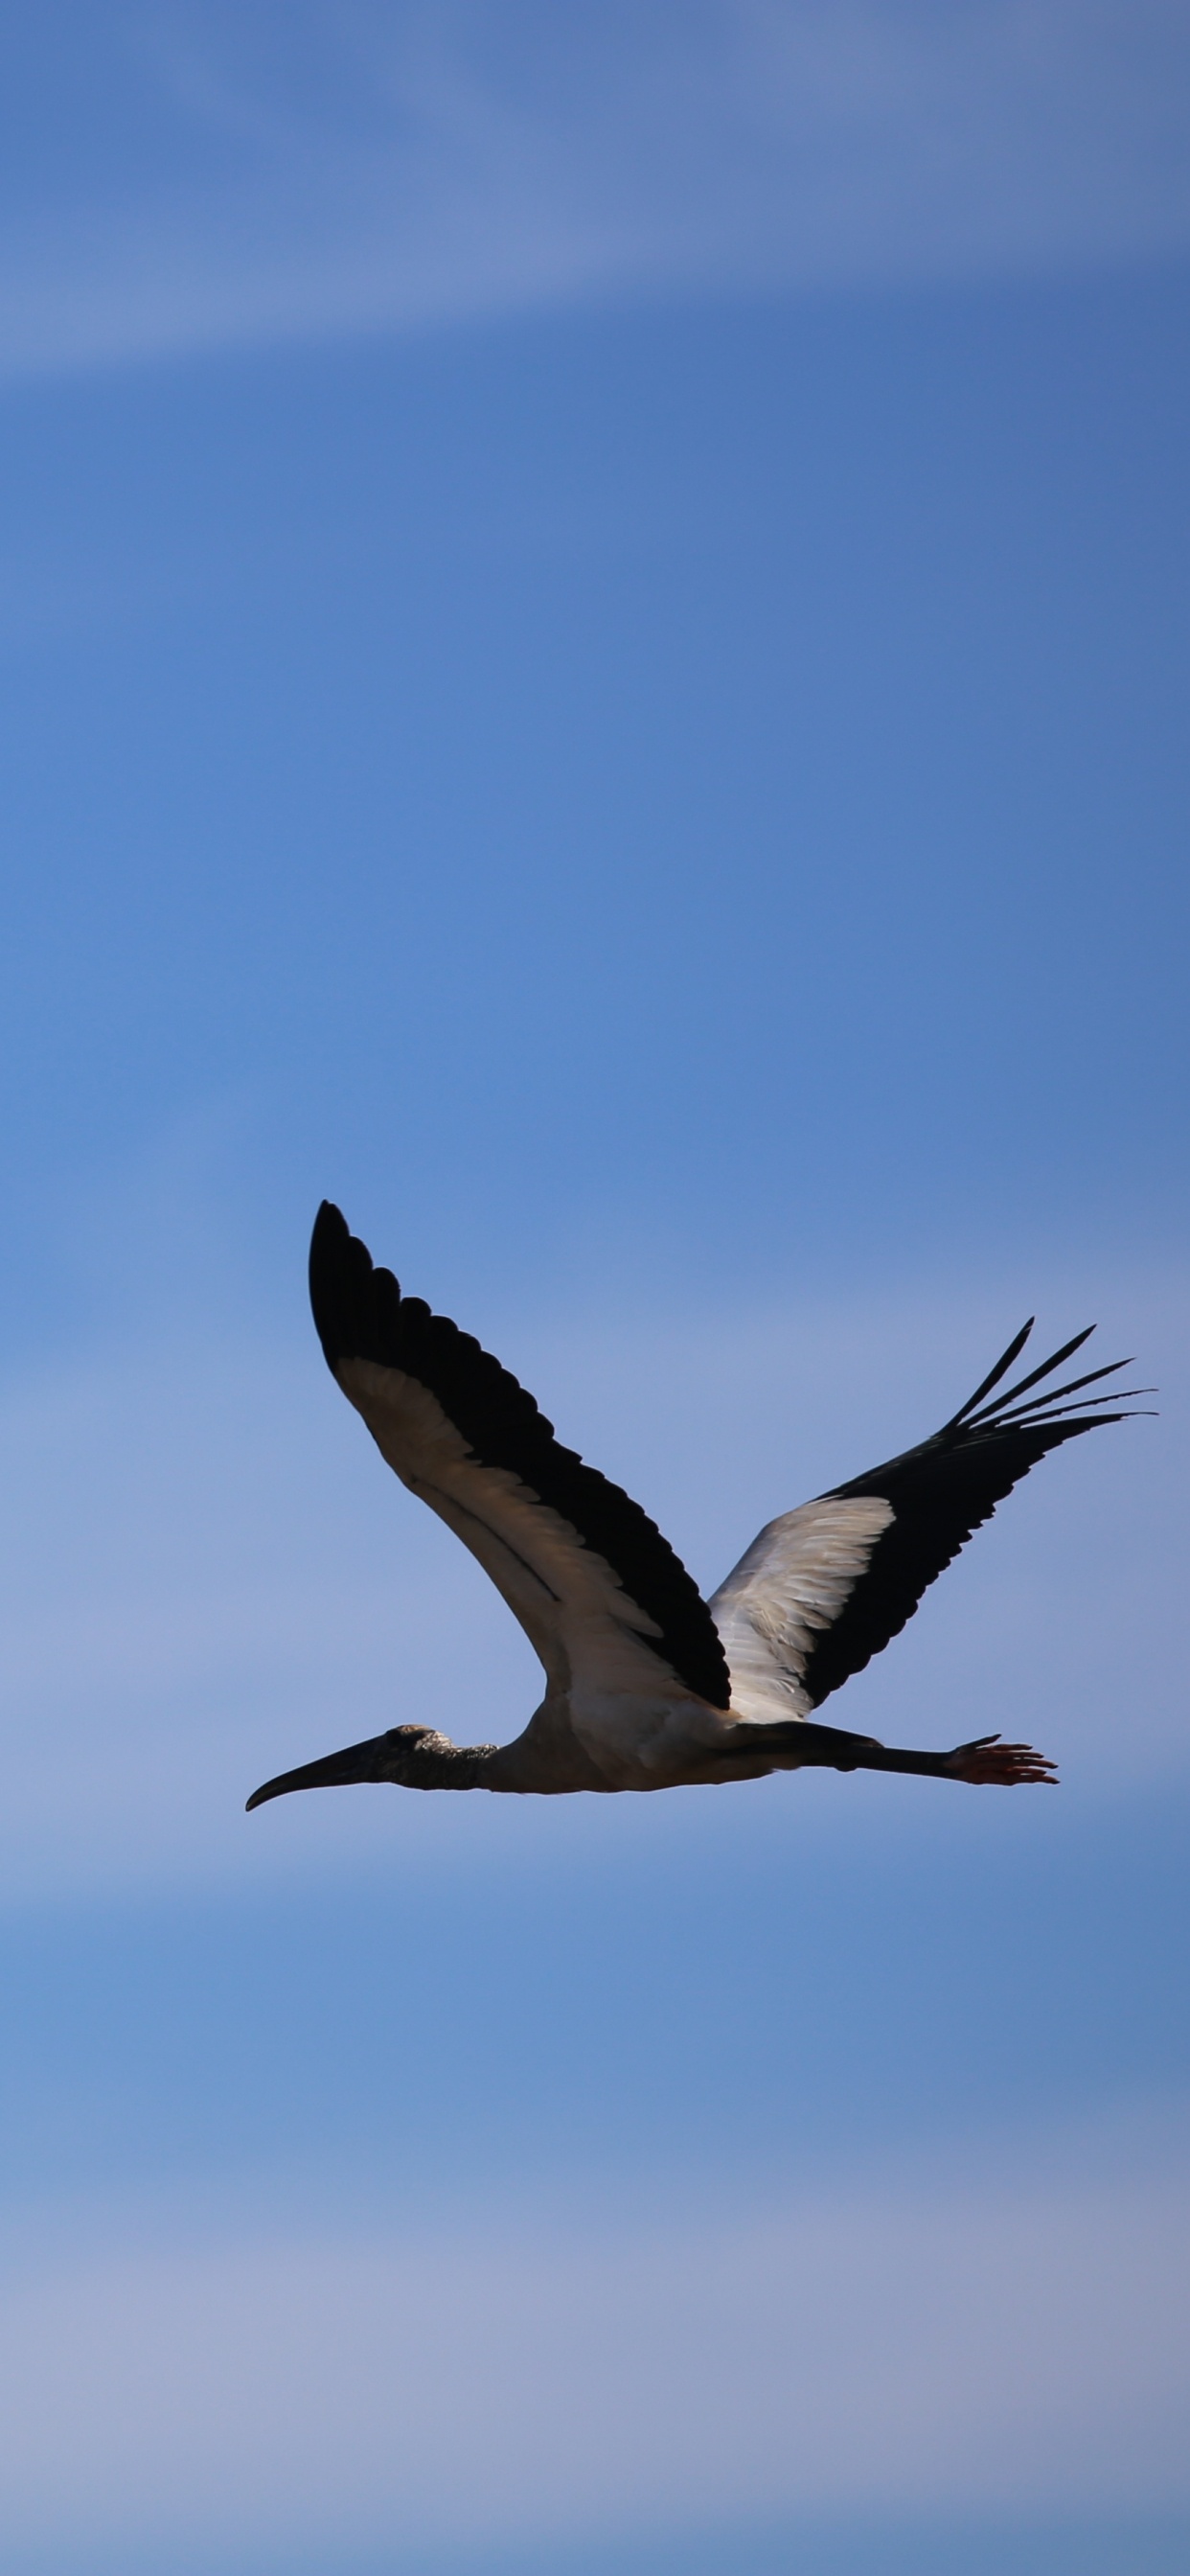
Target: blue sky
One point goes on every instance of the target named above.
(593, 619)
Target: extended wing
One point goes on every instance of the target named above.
(823, 1588)
(597, 1589)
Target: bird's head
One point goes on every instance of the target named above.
(392, 1756)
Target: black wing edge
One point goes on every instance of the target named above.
(360, 1313)
(942, 1491)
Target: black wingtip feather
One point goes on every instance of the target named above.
(1044, 1407)
(1045, 1368)
(994, 1376)
(1053, 1393)
(334, 1284)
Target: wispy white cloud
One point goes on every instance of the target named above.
(995, 2344)
(264, 174)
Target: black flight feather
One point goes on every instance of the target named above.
(360, 1313)
(994, 1376)
(940, 1492)
(1045, 1369)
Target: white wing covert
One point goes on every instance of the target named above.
(788, 1588)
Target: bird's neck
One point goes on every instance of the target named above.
(417, 1757)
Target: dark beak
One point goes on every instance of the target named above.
(378, 1759)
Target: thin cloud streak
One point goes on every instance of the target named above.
(988, 2345)
(295, 176)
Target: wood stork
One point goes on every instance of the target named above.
(648, 1685)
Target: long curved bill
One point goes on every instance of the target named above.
(372, 1760)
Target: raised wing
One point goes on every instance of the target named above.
(597, 1589)
(824, 1588)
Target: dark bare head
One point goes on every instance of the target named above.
(411, 1757)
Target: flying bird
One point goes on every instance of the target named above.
(648, 1686)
